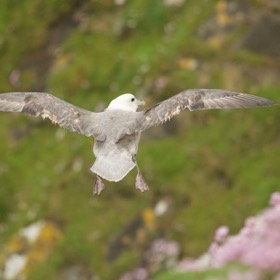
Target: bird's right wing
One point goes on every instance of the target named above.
(200, 99)
(60, 112)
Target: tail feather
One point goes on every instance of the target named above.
(113, 166)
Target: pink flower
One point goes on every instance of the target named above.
(257, 244)
(221, 234)
(275, 199)
(137, 274)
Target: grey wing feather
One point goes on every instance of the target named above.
(42, 104)
(200, 99)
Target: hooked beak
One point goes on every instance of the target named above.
(141, 103)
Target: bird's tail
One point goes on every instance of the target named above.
(113, 166)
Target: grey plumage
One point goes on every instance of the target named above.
(48, 106)
(117, 130)
(201, 99)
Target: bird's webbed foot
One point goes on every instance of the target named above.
(98, 186)
(140, 183)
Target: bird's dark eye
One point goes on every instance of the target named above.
(132, 99)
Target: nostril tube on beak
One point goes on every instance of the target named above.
(141, 103)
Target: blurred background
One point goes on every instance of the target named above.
(204, 168)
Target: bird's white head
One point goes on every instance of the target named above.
(127, 102)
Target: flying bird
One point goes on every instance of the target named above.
(117, 129)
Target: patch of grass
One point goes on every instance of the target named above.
(216, 273)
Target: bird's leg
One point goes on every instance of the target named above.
(140, 182)
(98, 185)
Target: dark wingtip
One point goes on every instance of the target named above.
(264, 102)
(270, 102)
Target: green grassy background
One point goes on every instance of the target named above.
(214, 167)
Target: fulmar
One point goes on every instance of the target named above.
(117, 129)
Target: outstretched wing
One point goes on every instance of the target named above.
(42, 104)
(200, 99)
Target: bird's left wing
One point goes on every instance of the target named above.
(42, 104)
(199, 99)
